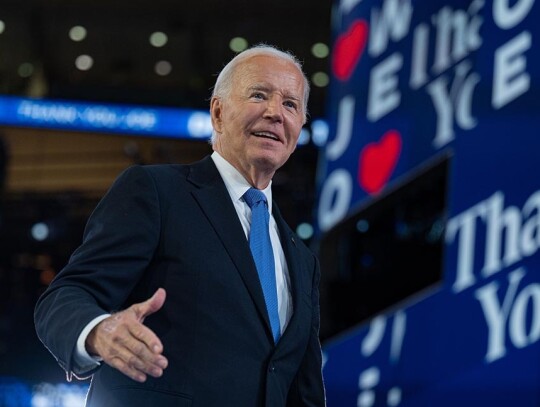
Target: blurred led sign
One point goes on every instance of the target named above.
(413, 81)
(109, 118)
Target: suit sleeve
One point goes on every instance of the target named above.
(118, 244)
(308, 387)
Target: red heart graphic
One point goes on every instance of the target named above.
(349, 48)
(377, 162)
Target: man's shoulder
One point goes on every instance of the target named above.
(172, 176)
(164, 170)
(152, 174)
(171, 170)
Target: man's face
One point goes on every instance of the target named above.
(259, 123)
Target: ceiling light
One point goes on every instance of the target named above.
(304, 231)
(320, 50)
(40, 231)
(26, 69)
(304, 137)
(163, 68)
(158, 39)
(84, 62)
(77, 33)
(320, 79)
(362, 225)
(238, 44)
(320, 132)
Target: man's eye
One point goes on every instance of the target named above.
(257, 95)
(290, 104)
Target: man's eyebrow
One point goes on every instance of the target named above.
(259, 87)
(293, 97)
(265, 88)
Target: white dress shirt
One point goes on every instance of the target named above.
(236, 185)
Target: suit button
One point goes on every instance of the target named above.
(272, 369)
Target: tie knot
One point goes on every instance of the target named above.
(254, 196)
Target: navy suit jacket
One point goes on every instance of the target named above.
(174, 226)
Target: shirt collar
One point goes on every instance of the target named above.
(235, 182)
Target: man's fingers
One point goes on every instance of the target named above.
(151, 305)
(146, 337)
(128, 370)
(146, 346)
(138, 343)
(136, 364)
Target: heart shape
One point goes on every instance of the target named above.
(349, 48)
(377, 161)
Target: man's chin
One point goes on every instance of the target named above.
(268, 162)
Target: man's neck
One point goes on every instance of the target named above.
(252, 174)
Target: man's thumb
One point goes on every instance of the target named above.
(151, 305)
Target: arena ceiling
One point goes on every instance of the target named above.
(37, 56)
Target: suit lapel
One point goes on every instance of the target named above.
(215, 201)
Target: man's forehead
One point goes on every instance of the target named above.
(273, 73)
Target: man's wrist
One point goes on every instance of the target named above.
(81, 355)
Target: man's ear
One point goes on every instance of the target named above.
(216, 113)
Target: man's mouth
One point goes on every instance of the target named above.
(266, 134)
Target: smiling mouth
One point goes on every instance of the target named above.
(265, 134)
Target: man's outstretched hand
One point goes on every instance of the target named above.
(125, 343)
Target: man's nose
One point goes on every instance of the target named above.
(274, 109)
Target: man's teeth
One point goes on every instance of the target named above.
(266, 134)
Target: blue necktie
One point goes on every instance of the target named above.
(261, 248)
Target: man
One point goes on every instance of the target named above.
(164, 302)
